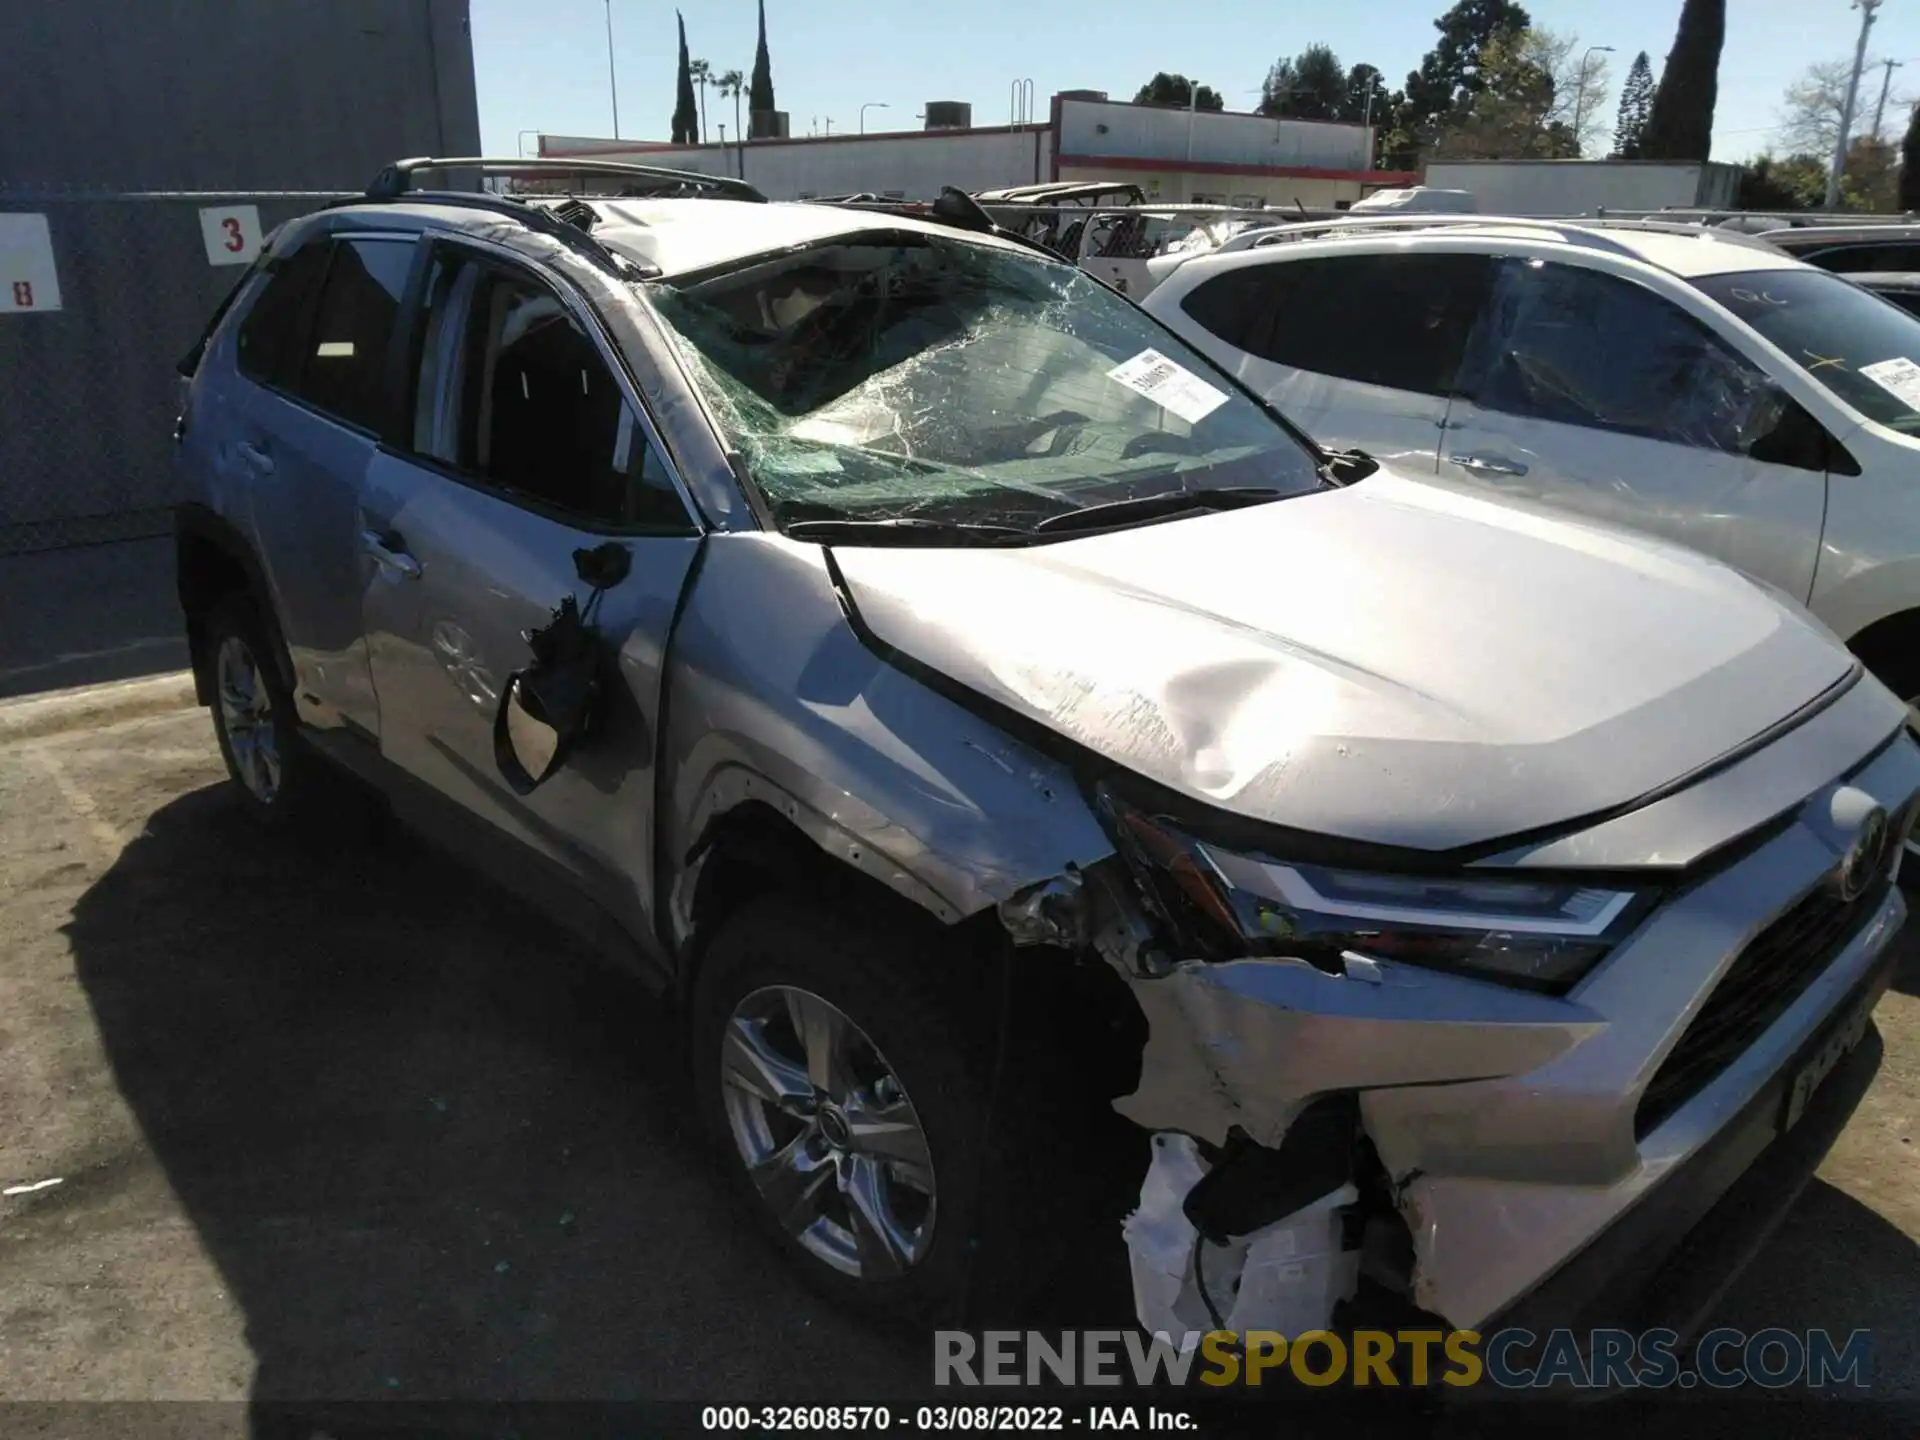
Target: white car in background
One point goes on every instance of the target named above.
(1700, 385)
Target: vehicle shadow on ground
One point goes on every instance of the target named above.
(438, 1152)
(435, 1149)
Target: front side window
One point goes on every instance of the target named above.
(514, 393)
(1574, 346)
(1396, 321)
(345, 372)
(1859, 346)
(893, 376)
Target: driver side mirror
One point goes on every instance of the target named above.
(1788, 435)
(528, 745)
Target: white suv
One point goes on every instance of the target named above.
(1699, 385)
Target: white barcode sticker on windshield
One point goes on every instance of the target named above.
(1899, 377)
(1174, 388)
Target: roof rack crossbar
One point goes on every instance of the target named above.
(396, 179)
(534, 217)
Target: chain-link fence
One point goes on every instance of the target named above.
(88, 390)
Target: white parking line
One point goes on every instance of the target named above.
(108, 837)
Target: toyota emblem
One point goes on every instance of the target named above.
(1863, 859)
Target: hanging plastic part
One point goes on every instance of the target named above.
(1205, 1255)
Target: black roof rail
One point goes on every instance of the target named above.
(562, 225)
(396, 180)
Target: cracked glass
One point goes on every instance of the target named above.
(910, 375)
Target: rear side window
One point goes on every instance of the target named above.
(346, 370)
(272, 335)
(1397, 321)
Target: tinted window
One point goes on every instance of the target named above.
(1579, 347)
(346, 371)
(1859, 259)
(270, 337)
(1390, 320)
(540, 414)
(1850, 340)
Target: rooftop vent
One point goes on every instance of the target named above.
(949, 115)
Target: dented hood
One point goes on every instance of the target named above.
(1392, 662)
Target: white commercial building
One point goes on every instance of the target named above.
(1173, 154)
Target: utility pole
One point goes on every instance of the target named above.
(1880, 110)
(1866, 9)
(613, 87)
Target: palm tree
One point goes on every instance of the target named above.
(702, 73)
(733, 83)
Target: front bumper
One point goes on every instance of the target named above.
(1666, 1263)
(1509, 1124)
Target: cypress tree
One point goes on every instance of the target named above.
(686, 110)
(1680, 125)
(760, 92)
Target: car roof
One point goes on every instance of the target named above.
(1684, 250)
(679, 236)
(1886, 279)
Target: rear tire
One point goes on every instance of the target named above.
(847, 1093)
(254, 717)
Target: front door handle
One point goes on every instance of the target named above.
(260, 462)
(390, 551)
(1489, 464)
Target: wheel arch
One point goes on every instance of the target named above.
(213, 560)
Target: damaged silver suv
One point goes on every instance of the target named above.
(976, 712)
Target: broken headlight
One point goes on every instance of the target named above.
(1217, 904)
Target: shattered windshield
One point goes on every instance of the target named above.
(914, 376)
(1860, 346)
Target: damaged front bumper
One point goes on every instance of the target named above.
(1547, 1155)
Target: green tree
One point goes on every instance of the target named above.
(1309, 86)
(760, 91)
(686, 115)
(1910, 163)
(1680, 121)
(1520, 111)
(1636, 103)
(1449, 74)
(1165, 89)
(1366, 100)
(1871, 181)
(1796, 182)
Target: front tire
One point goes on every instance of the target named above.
(835, 1076)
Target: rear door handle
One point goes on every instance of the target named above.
(390, 551)
(258, 459)
(1489, 464)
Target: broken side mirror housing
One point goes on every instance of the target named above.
(528, 747)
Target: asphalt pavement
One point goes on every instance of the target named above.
(334, 1121)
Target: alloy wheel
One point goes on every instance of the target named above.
(827, 1133)
(246, 714)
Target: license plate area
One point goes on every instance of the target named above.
(1828, 1051)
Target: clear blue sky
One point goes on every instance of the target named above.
(542, 64)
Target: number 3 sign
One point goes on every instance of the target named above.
(231, 234)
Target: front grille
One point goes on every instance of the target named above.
(1768, 976)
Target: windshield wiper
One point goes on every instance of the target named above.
(1152, 507)
(905, 530)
